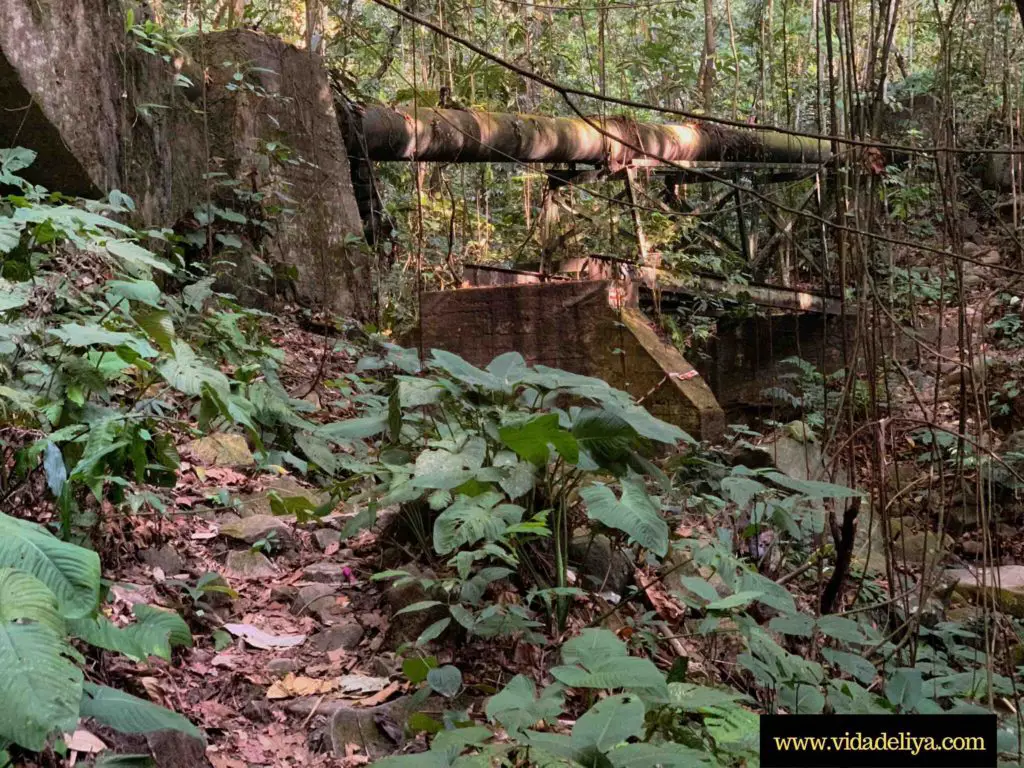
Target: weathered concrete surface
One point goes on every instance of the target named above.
(574, 326)
(59, 87)
(104, 115)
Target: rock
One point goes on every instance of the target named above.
(377, 730)
(218, 593)
(910, 546)
(318, 600)
(1003, 585)
(246, 564)
(325, 537)
(222, 450)
(283, 666)
(166, 558)
(600, 566)
(344, 636)
(407, 627)
(973, 549)
(286, 487)
(257, 528)
(283, 593)
(175, 749)
(325, 573)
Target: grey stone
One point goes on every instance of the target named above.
(165, 558)
(1003, 585)
(247, 564)
(286, 487)
(313, 598)
(326, 536)
(600, 566)
(344, 636)
(363, 726)
(324, 572)
(283, 666)
(409, 626)
(258, 527)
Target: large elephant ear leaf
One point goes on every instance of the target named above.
(40, 686)
(635, 513)
(71, 573)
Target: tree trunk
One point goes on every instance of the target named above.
(462, 136)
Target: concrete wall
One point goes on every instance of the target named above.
(103, 114)
(573, 326)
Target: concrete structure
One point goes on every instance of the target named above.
(582, 327)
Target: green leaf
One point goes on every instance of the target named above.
(187, 373)
(78, 335)
(813, 489)
(842, 628)
(415, 668)
(432, 632)
(904, 688)
(648, 426)
(446, 680)
(72, 573)
(593, 646)
(155, 633)
(517, 706)
(24, 598)
(609, 722)
(142, 291)
(797, 624)
(700, 587)
(136, 258)
(354, 429)
(12, 295)
(471, 519)
(422, 605)
(856, 666)
(690, 697)
(158, 326)
(606, 437)
(39, 685)
(462, 371)
(130, 714)
(643, 755)
(631, 672)
(530, 439)
(635, 514)
(739, 600)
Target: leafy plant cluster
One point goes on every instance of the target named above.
(496, 470)
(50, 593)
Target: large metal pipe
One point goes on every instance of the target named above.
(464, 136)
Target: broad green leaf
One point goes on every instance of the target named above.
(12, 295)
(609, 722)
(519, 481)
(24, 598)
(462, 371)
(530, 439)
(187, 372)
(739, 600)
(354, 429)
(130, 714)
(471, 519)
(813, 489)
(78, 335)
(641, 755)
(518, 707)
(606, 437)
(904, 688)
(155, 632)
(158, 326)
(700, 587)
(648, 426)
(630, 672)
(635, 514)
(593, 646)
(446, 680)
(690, 697)
(72, 573)
(136, 258)
(856, 666)
(142, 291)
(842, 628)
(40, 686)
(799, 625)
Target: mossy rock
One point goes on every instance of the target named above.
(1007, 597)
